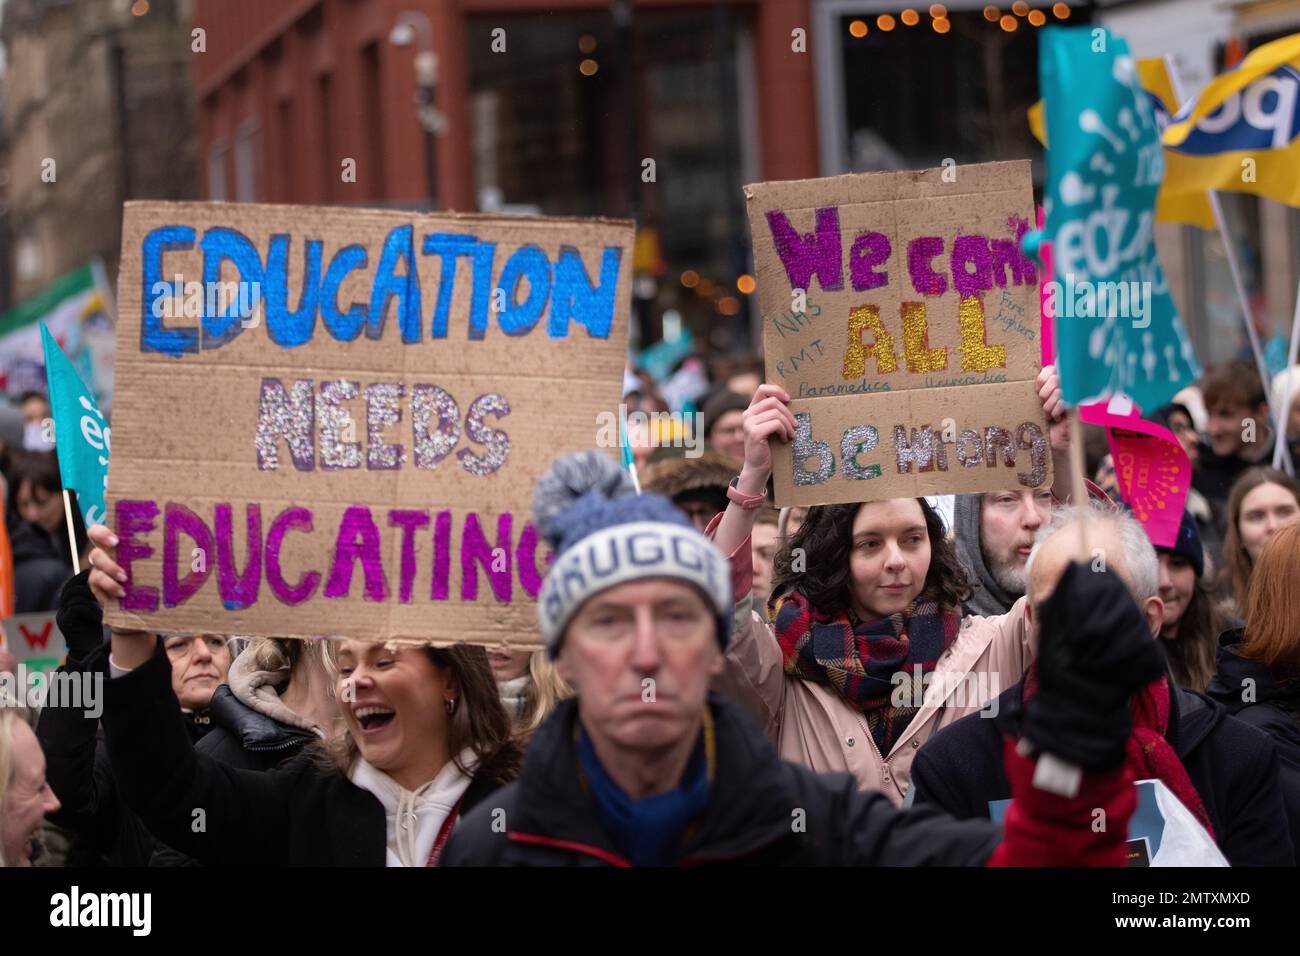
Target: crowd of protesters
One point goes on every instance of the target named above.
(850, 684)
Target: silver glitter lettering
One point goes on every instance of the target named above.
(939, 449)
(381, 411)
(335, 423)
(804, 448)
(495, 442)
(1031, 438)
(919, 451)
(995, 438)
(278, 414)
(428, 401)
(858, 440)
(970, 451)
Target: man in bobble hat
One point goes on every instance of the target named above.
(644, 767)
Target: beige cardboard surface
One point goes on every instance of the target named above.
(946, 445)
(899, 294)
(186, 425)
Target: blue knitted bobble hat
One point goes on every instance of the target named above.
(604, 533)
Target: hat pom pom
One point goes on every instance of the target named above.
(572, 477)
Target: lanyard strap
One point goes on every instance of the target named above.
(443, 833)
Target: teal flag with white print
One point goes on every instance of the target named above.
(81, 435)
(1118, 330)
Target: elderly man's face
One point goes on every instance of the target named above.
(1061, 548)
(640, 656)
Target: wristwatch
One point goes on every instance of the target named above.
(748, 502)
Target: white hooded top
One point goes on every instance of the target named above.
(414, 817)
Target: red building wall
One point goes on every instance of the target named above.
(266, 61)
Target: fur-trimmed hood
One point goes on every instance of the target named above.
(679, 476)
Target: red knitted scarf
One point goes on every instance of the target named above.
(1148, 754)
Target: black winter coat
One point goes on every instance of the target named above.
(241, 737)
(1273, 707)
(40, 568)
(301, 814)
(104, 831)
(1233, 767)
(762, 811)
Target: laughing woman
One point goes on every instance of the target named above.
(426, 739)
(867, 653)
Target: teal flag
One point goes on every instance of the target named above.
(1118, 330)
(81, 436)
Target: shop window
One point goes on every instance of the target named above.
(247, 146)
(217, 154)
(579, 118)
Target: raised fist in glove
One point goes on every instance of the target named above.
(80, 618)
(1095, 650)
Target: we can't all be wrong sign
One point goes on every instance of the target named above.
(902, 317)
(330, 421)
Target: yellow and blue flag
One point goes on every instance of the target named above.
(1242, 132)
(1190, 208)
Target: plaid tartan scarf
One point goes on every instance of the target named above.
(859, 658)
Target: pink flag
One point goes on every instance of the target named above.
(1153, 471)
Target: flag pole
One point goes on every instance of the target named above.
(1230, 253)
(1078, 490)
(1078, 487)
(625, 449)
(72, 534)
(1280, 458)
(1246, 310)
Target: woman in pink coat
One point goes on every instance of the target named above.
(868, 653)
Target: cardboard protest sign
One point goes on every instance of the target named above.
(35, 639)
(902, 317)
(330, 421)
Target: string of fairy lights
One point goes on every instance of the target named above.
(939, 22)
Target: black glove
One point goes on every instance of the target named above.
(1094, 650)
(80, 618)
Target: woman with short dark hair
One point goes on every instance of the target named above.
(38, 530)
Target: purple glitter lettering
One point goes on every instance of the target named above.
(924, 279)
(179, 520)
(285, 521)
(132, 518)
(818, 252)
(358, 540)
